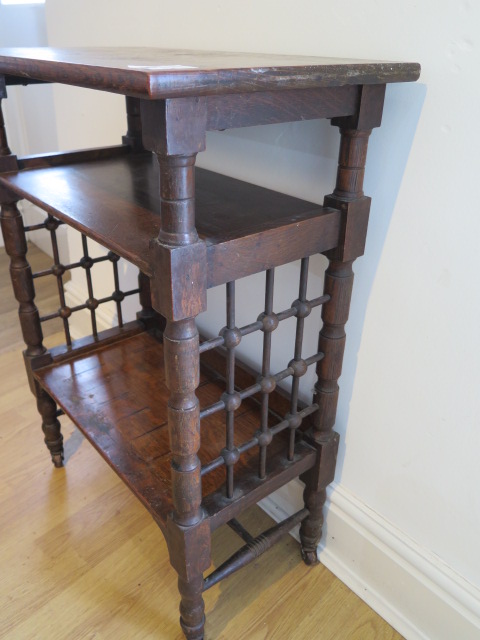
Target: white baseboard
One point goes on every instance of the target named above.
(407, 585)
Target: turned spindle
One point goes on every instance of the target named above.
(349, 198)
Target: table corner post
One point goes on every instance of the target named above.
(24, 291)
(175, 131)
(349, 198)
(133, 136)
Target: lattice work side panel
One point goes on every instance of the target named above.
(86, 263)
(230, 401)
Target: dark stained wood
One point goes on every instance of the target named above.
(250, 488)
(338, 285)
(313, 232)
(50, 426)
(16, 80)
(272, 107)
(180, 280)
(133, 137)
(24, 290)
(72, 194)
(124, 415)
(7, 163)
(181, 356)
(175, 131)
(348, 196)
(22, 281)
(174, 127)
(368, 113)
(164, 73)
(214, 364)
(254, 549)
(43, 160)
(231, 215)
(152, 320)
(88, 344)
(4, 148)
(7, 159)
(117, 396)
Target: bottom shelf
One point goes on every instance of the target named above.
(117, 396)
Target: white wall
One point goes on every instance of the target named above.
(409, 411)
(25, 26)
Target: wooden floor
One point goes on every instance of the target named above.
(81, 559)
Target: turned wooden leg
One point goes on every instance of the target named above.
(22, 279)
(311, 527)
(23, 288)
(188, 534)
(178, 289)
(24, 291)
(51, 427)
(338, 285)
(192, 608)
(133, 137)
(349, 198)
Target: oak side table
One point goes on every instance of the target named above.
(194, 433)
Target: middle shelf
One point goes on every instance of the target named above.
(115, 201)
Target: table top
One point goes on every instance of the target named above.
(161, 73)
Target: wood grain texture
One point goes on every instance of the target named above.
(47, 293)
(21, 277)
(59, 158)
(230, 215)
(118, 397)
(81, 558)
(179, 293)
(272, 107)
(349, 197)
(163, 73)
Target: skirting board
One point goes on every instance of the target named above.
(405, 584)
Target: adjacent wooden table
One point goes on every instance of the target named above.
(194, 433)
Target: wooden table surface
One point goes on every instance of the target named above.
(160, 73)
